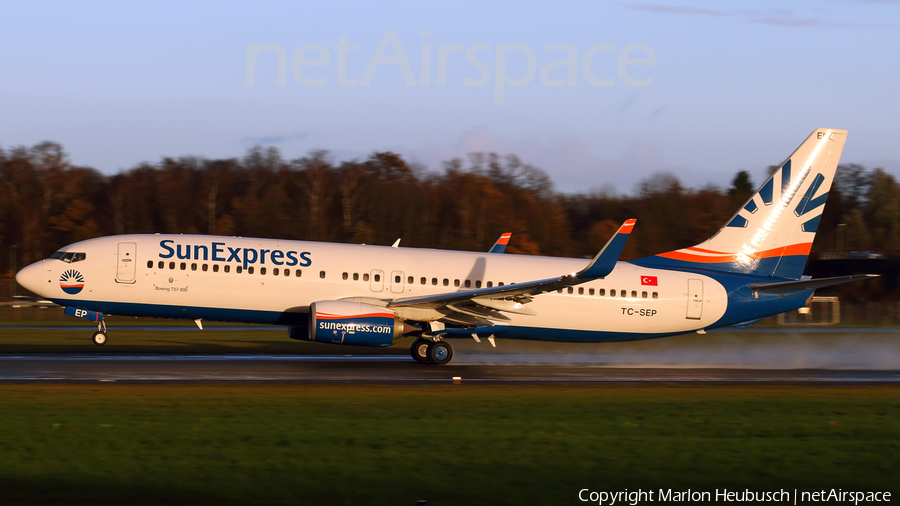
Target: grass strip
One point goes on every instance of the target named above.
(287, 444)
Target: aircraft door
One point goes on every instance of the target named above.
(126, 263)
(376, 280)
(397, 281)
(695, 299)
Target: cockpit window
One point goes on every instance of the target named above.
(68, 257)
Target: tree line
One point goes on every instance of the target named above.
(46, 203)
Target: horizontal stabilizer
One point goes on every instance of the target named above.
(788, 287)
(605, 261)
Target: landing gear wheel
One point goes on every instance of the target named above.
(419, 350)
(439, 353)
(99, 338)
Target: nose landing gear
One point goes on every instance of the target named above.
(99, 337)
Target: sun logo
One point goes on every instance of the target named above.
(71, 282)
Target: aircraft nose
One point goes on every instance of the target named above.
(30, 277)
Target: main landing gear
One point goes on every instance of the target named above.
(426, 351)
(99, 337)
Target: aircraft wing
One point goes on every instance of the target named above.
(500, 245)
(482, 305)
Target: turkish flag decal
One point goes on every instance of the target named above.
(649, 280)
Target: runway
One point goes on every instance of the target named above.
(391, 369)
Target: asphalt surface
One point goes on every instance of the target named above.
(341, 369)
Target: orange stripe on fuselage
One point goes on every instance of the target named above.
(703, 259)
(701, 250)
(801, 249)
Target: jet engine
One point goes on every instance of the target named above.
(354, 323)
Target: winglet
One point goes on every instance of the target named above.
(605, 261)
(500, 245)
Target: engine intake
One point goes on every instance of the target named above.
(354, 323)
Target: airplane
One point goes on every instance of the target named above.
(369, 295)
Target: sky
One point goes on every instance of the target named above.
(600, 95)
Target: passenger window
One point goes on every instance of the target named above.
(570, 290)
(149, 264)
(262, 271)
(239, 269)
(227, 268)
(423, 280)
(205, 267)
(612, 293)
(378, 278)
(287, 272)
(216, 268)
(468, 283)
(655, 295)
(490, 284)
(183, 265)
(355, 276)
(344, 276)
(602, 292)
(250, 270)
(365, 276)
(275, 271)
(644, 295)
(478, 283)
(409, 280)
(559, 291)
(172, 265)
(434, 281)
(322, 274)
(298, 273)
(397, 279)
(161, 265)
(446, 282)
(634, 293)
(590, 291)
(193, 267)
(455, 282)
(580, 291)
(500, 283)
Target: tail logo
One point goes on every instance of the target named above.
(71, 282)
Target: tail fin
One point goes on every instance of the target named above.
(771, 235)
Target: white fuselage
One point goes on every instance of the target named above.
(184, 276)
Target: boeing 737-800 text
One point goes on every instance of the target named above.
(371, 295)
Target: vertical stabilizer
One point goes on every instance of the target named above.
(772, 234)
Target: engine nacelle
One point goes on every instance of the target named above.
(354, 323)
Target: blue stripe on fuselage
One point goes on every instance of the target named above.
(189, 312)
